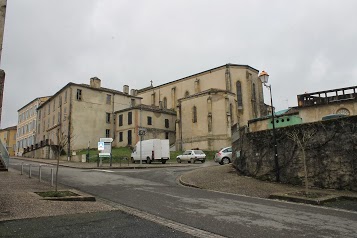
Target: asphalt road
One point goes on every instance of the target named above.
(157, 192)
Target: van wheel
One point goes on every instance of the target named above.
(192, 161)
(178, 160)
(132, 160)
(163, 161)
(203, 161)
(148, 161)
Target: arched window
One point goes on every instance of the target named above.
(194, 114)
(239, 95)
(231, 112)
(187, 93)
(165, 103)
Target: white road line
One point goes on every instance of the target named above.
(163, 221)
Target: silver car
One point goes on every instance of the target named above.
(224, 155)
(191, 156)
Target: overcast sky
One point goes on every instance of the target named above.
(305, 46)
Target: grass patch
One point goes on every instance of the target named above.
(57, 194)
(119, 153)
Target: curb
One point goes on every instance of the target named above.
(81, 197)
(187, 184)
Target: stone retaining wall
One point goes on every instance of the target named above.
(331, 154)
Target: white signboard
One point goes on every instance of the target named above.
(110, 140)
(100, 145)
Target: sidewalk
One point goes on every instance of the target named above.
(18, 200)
(92, 165)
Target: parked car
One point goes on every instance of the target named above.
(224, 155)
(191, 156)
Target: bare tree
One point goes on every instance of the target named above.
(62, 141)
(302, 135)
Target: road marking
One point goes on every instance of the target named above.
(104, 170)
(163, 221)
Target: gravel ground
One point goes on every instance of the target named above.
(226, 179)
(18, 200)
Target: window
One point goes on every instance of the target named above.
(53, 120)
(132, 102)
(149, 120)
(65, 96)
(79, 94)
(48, 123)
(39, 114)
(120, 136)
(107, 118)
(49, 109)
(58, 118)
(60, 101)
(194, 114)
(121, 120)
(129, 137)
(165, 103)
(54, 104)
(109, 98)
(167, 125)
(166, 135)
(107, 133)
(130, 119)
(239, 95)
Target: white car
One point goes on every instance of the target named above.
(191, 156)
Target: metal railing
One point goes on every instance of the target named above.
(4, 155)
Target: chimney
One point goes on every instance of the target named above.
(126, 89)
(133, 92)
(95, 82)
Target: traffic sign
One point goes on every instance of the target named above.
(142, 131)
(100, 145)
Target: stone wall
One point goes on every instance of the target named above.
(331, 154)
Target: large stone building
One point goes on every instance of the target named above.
(27, 124)
(209, 103)
(8, 137)
(80, 113)
(193, 112)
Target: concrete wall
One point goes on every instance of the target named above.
(331, 154)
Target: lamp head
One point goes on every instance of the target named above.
(264, 76)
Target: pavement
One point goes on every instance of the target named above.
(18, 200)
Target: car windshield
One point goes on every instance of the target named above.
(199, 152)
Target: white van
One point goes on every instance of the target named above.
(152, 150)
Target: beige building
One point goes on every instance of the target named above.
(27, 124)
(209, 103)
(78, 114)
(313, 106)
(8, 137)
(159, 123)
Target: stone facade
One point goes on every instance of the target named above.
(27, 124)
(8, 137)
(222, 96)
(331, 154)
(82, 113)
(158, 123)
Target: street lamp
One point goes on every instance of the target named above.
(264, 76)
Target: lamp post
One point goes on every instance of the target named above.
(264, 76)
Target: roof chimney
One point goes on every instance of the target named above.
(95, 82)
(126, 89)
(133, 92)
